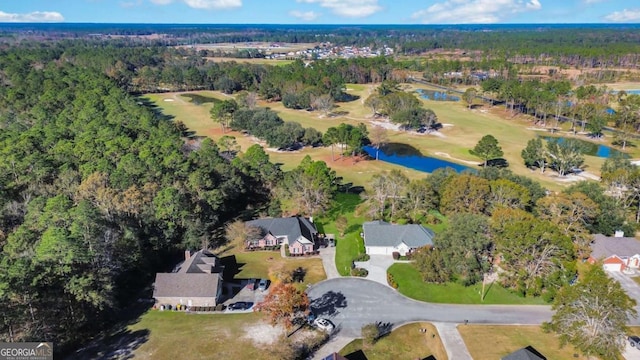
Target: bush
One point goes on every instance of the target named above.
(360, 272)
(396, 255)
(220, 307)
(286, 250)
(392, 281)
(370, 334)
(363, 257)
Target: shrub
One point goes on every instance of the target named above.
(396, 255)
(370, 334)
(360, 272)
(220, 307)
(363, 257)
(392, 281)
(286, 250)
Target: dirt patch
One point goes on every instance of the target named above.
(263, 333)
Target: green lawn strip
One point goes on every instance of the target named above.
(505, 339)
(411, 285)
(178, 335)
(261, 264)
(351, 245)
(406, 342)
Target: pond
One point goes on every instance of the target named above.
(408, 156)
(437, 95)
(592, 149)
(199, 99)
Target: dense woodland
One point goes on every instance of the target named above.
(98, 190)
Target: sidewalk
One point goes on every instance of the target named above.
(452, 341)
(333, 345)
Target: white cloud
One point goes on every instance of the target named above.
(306, 16)
(625, 15)
(592, 1)
(348, 8)
(36, 16)
(204, 4)
(474, 11)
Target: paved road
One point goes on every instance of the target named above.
(351, 303)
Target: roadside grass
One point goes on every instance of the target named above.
(411, 285)
(490, 342)
(636, 279)
(262, 264)
(177, 335)
(405, 342)
(351, 245)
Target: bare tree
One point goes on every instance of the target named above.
(378, 137)
(238, 233)
(323, 103)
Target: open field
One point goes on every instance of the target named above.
(178, 335)
(410, 284)
(405, 342)
(257, 61)
(505, 339)
(463, 128)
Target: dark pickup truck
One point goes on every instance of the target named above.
(634, 341)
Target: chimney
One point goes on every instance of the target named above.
(187, 255)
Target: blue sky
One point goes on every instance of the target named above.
(322, 11)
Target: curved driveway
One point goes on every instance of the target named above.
(352, 302)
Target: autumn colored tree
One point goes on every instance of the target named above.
(285, 304)
(465, 194)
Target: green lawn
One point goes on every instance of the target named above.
(263, 264)
(406, 342)
(410, 284)
(505, 339)
(349, 246)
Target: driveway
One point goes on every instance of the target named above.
(351, 303)
(377, 266)
(630, 286)
(328, 256)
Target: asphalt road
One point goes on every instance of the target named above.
(351, 303)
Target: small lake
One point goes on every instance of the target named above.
(437, 95)
(413, 159)
(589, 148)
(199, 99)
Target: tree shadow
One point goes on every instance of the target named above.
(328, 304)
(231, 267)
(497, 163)
(397, 149)
(346, 97)
(298, 274)
(120, 345)
(384, 329)
(357, 355)
(155, 109)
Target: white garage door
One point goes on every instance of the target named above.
(612, 267)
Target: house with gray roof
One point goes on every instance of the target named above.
(195, 282)
(526, 353)
(383, 238)
(617, 253)
(298, 232)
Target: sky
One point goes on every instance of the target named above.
(322, 11)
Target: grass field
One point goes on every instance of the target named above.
(263, 264)
(349, 246)
(177, 335)
(463, 128)
(505, 339)
(411, 285)
(406, 342)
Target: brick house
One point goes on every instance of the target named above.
(616, 253)
(298, 232)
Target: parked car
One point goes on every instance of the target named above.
(323, 324)
(240, 305)
(263, 284)
(634, 341)
(251, 284)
